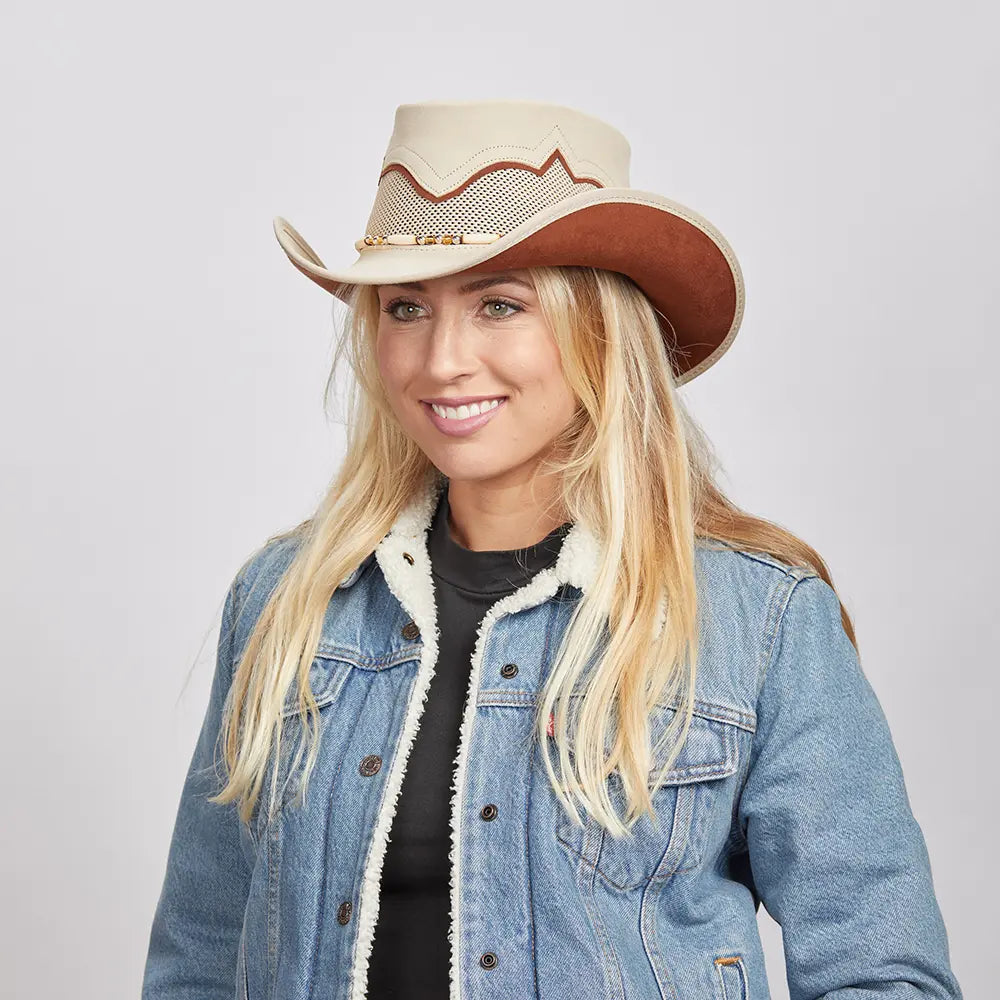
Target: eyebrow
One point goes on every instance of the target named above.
(473, 286)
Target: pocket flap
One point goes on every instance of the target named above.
(710, 750)
(326, 677)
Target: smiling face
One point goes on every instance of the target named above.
(444, 342)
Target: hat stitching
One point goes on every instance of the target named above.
(491, 168)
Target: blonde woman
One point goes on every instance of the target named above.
(528, 707)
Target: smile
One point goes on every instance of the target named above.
(462, 420)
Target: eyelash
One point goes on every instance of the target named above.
(389, 307)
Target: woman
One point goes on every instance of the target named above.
(528, 708)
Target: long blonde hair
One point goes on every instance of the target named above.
(632, 465)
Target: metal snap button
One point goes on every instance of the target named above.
(370, 765)
(344, 912)
(411, 631)
(489, 960)
(489, 812)
(408, 558)
(508, 670)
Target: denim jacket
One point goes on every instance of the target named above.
(788, 792)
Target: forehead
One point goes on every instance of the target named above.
(464, 283)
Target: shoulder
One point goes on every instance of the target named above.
(743, 575)
(785, 612)
(265, 564)
(258, 576)
(744, 597)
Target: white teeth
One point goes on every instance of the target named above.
(463, 412)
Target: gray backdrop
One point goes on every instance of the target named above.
(164, 366)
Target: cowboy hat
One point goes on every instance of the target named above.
(497, 184)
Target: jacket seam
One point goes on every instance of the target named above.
(237, 608)
(775, 633)
(780, 599)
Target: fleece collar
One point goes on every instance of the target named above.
(575, 565)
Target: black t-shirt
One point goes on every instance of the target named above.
(410, 955)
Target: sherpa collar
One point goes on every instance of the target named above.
(576, 564)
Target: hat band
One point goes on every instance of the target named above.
(411, 239)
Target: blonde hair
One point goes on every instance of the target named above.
(632, 465)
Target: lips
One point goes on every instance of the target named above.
(455, 427)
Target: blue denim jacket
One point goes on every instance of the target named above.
(787, 792)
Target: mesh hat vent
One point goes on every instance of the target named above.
(497, 202)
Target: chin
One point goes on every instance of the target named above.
(467, 467)
(459, 471)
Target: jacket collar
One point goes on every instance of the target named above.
(576, 564)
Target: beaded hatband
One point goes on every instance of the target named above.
(409, 239)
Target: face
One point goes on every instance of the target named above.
(465, 337)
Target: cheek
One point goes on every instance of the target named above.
(393, 363)
(537, 368)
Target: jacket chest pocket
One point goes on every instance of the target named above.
(674, 841)
(327, 675)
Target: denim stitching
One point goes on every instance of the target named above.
(611, 965)
(273, 917)
(649, 932)
(531, 896)
(737, 961)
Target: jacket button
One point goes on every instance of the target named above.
(370, 765)
(489, 812)
(408, 558)
(508, 670)
(489, 960)
(411, 631)
(344, 912)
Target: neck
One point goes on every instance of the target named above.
(489, 518)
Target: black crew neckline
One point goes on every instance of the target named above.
(493, 571)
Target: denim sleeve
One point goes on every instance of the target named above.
(837, 857)
(194, 941)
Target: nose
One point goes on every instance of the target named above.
(450, 348)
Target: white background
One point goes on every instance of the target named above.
(163, 370)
